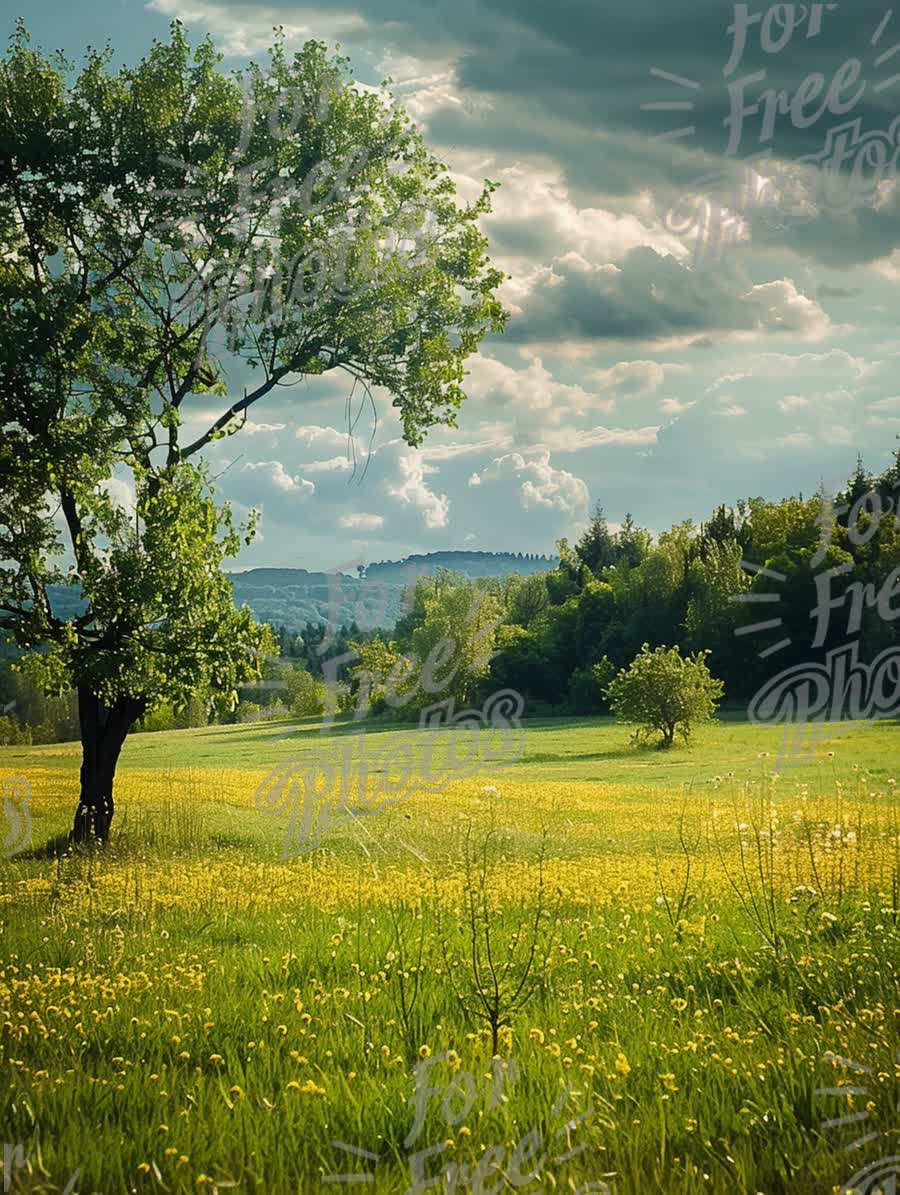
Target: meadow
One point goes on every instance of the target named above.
(594, 969)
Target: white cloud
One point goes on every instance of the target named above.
(245, 29)
(540, 484)
(361, 522)
(535, 396)
(269, 486)
(570, 439)
(257, 429)
(838, 434)
(426, 88)
(334, 464)
(413, 491)
(674, 406)
(781, 307)
(727, 379)
(313, 436)
(632, 379)
(121, 493)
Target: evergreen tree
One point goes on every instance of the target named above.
(597, 548)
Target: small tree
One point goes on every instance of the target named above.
(306, 695)
(461, 618)
(597, 548)
(381, 667)
(665, 693)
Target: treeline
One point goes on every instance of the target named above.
(291, 685)
(763, 586)
(473, 564)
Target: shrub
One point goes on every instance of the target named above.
(665, 693)
(306, 695)
(11, 734)
(162, 718)
(247, 711)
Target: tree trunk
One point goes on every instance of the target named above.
(103, 731)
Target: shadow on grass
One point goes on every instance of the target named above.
(53, 848)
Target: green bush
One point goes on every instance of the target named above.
(247, 711)
(12, 734)
(162, 718)
(665, 693)
(305, 695)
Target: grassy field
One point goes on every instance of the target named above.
(591, 969)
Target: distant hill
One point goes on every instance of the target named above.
(292, 597)
(473, 564)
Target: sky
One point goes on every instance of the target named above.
(649, 365)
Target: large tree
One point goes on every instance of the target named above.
(161, 227)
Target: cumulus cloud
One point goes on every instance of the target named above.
(413, 490)
(530, 392)
(321, 438)
(539, 483)
(633, 379)
(268, 486)
(653, 297)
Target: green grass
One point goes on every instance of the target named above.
(178, 991)
(555, 749)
